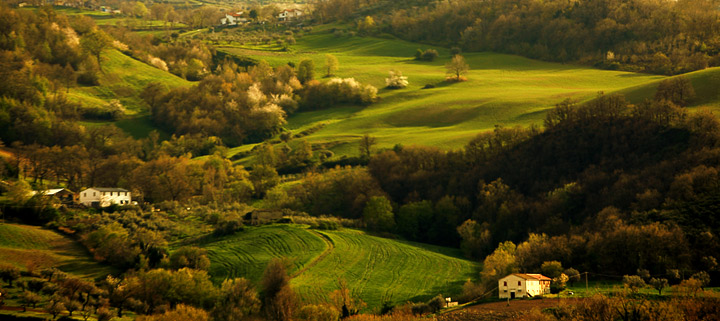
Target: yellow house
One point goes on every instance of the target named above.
(521, 285)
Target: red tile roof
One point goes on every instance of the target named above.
(532, 276)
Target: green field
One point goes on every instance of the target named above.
(246, 254)
(376, 269)
(502, 90)
(379, 269)
(31, 247)
(123, 78)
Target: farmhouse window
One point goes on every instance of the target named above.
(93, 193)
(504, 283)
(85, 194)
(519, 283)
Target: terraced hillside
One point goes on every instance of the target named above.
(33, 247)
(379, 269)
(502, 90)
(246, 254)
(376, 269)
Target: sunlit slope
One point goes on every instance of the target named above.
(705, 82)
(375, 269)
(246, 254)
(502, 90)
(123, 78)
(31, 247)
(379, 269)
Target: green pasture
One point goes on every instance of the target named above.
(705, 82)
(376, 269)
(246, 254)
(33, 247)
(123, 78)
(503, 90)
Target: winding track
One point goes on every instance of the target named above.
(328, 250)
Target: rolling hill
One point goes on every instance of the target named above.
(33, 247)
(376, 269)
(246, 254)
(502, 90)
(123, 78)
(705, 82)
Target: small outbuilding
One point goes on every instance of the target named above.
(258, 217)
(63, 195)
(523, 285)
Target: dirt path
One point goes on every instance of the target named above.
(330, 248)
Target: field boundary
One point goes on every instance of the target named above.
(330, 249)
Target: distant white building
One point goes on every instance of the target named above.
(104, 196)
(521, 285)
(233, 18)
(290, 14)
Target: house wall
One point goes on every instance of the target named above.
(525, 287)
(512, 286)
(90, 196)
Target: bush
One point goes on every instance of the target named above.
(429, 55)
(325, 225)
(633, 282)
(420, 308)
(454, 51)
(436, 303)
(228, 227)
(337, 91)
(471, 291)
(396, 80)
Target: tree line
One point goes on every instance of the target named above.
(641, 35)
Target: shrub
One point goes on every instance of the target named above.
(471, 291)
(227, 227)
(337, 91)
(430, 55)
(325, 225)
(190, 256)
(454, 51)
(633, 282)
(396, 80)
(436, 303)
(420, 308)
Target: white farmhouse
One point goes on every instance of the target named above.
(520, 285)
(290, 14)
(233, 18)
(104, 196)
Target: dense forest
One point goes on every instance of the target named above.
(655, 36)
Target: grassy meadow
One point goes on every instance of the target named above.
(32, 247)
(123, 78)
(246, 254)
(376, 269)
(503, 90)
